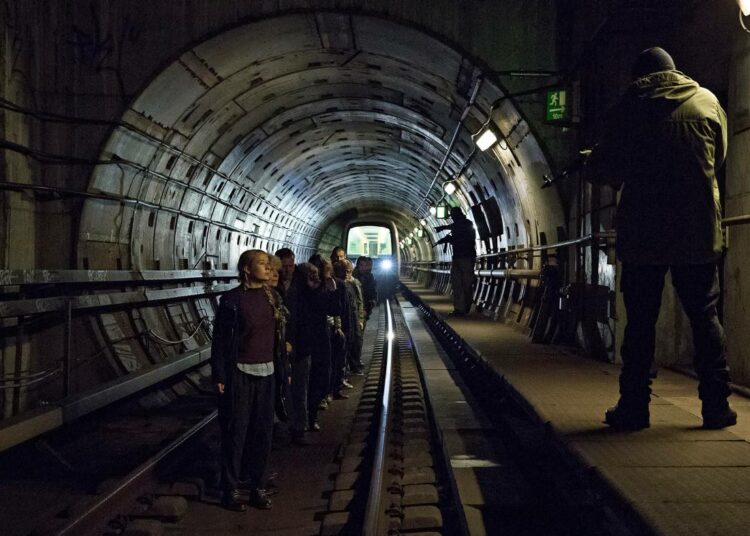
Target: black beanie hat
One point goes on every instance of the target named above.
(652, 60)
(457, 213)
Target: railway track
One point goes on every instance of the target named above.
(130, 470)
(393, 476)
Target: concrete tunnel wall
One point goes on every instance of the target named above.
(265, 134)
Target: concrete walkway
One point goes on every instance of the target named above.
(681, 479)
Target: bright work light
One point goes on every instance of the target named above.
(422, 222)
(486, 140)
(744, 6)
(433, 210)
(449, 188)
(386, 265)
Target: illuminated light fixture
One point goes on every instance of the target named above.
(486, 140)
(744, 6)
(386, 265)
(420, 233)
(423, 222)
(433, 210)
(449, 188)
(442, 212)
(417, 229)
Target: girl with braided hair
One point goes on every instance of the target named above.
(242, 365)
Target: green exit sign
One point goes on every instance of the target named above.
(557, 105)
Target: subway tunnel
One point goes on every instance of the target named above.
(145, 147)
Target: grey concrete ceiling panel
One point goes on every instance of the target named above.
(169, 95)
(380, 37)
(261, 41)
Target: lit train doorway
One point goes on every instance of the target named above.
(377, 242)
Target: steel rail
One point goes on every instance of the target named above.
(130, 487)
(374, 510)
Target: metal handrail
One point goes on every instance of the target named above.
(374, 512)
(607, 235)
(29, 425)
(735, 220)
(82, 277)
(498, 273)
(91, 302)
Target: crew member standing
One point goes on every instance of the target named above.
(462, 238)
(662, 145)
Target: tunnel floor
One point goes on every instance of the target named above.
(677, 477)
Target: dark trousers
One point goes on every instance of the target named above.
(246, 413)
(354, 352)
(320, 375)
(697, 286)
(462, 283)
(338, 362)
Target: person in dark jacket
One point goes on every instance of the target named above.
(355, 316)
(242, 367)
(317, 312)
(662, 146)
(289, 282)
(462, 238)
(309, 326)
(363, 273)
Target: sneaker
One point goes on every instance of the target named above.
(271, 489)
(715, 420)
(625, 420)
(259, 499)
(346, 385)
(231, 501)
(323, 404)
(314, 426)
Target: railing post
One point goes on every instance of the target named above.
(67, 355)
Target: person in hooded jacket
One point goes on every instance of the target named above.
(662, 145)
(462, 238)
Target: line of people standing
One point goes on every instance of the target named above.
(284, 342)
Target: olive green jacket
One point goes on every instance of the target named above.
(663, 143)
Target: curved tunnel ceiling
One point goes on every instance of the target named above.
(265, 134)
